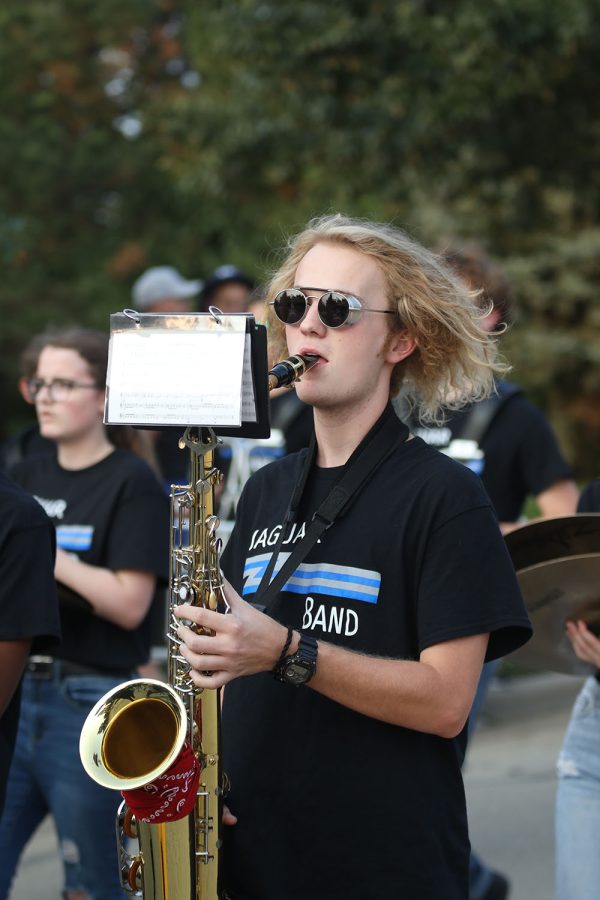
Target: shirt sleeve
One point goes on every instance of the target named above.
(139, 533)
(468, 586)
(541, 461)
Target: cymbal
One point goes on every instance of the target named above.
(549, 539)
(554, 592)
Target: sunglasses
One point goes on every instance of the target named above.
(334, 308)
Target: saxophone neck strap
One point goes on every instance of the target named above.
(379, 443)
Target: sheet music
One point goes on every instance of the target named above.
(191, 371)
(248, 399)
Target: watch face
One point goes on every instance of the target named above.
(297, 673)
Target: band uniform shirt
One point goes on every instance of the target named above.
(28, 602)
(343, 805)
(521, 453)
(113, 514)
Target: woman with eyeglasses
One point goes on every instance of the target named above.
(111, 519)
(368, 583)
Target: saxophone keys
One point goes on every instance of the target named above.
(213, 602)
(186, 594)
(203, 485)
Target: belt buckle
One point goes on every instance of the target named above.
(40, 666)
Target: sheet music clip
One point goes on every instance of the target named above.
(216, 313)
(133, 314)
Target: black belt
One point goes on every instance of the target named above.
(47, 667)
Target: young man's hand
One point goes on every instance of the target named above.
(242, 642)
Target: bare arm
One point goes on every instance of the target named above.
(122, 597)
(558, 500)
(433, 694)
(13, 656)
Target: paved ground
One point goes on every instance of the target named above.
(510, 791)
(510, 780)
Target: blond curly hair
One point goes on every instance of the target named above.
(455, 359)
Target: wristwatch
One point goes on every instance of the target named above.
(300, 667)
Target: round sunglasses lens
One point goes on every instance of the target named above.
(334, 309)
(290, 306)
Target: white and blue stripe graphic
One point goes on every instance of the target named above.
(316, 578)
(74, 537)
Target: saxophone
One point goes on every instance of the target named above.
(137, 731)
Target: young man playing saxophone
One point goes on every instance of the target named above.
(345, 766)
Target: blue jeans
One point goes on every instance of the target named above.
(578, 801)
(480, 875)
(47, 776)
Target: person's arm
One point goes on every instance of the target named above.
(560, 499)
(122, 597)
(433, 694)
(13, 656)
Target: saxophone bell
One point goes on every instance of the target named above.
(133, 734)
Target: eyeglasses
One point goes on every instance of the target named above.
(334, 308)
(58, 389)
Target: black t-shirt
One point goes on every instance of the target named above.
(28, 603)
(333, 804)
(115, 515)
(521, 456)
(589, 502)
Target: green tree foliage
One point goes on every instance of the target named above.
(195, 133)
(83, 204)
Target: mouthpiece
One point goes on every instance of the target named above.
(289, 370)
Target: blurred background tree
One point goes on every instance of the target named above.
(194, 134)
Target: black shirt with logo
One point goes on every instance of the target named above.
(331, 803)
(115, 515)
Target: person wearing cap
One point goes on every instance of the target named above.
(163, 289)
(228, 288)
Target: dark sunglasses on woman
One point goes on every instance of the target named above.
(334, 308)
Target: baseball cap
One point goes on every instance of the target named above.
(160, 283)
(223, 274)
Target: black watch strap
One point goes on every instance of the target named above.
(299, 667)
(286, 647)
(308, 648)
